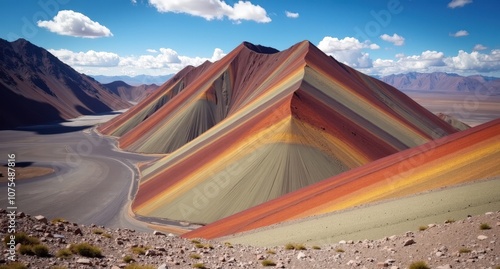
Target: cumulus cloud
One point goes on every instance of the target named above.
(292, 15)
(348, 50)
(166, 61)
(151, 50)
(460, 33)
(89, 58)
(475, 61)
(395, 39)
(458, 3)
(214, 9)
(479, 47)
(71, 23)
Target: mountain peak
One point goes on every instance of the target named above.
(259, 48)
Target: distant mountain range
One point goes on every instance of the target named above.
(130, 93)
(36, 87)
(135, 80)
(443, 82)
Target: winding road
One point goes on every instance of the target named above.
(93, 182)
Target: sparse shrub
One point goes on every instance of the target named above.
(57, 220)
(41, 250)
(199, 245)
(199, 266)
(107, 235)
(26, 250)
(316, 247)
(139, 250)
(422, 228)
(271, 251)
(300, 247)
(419, 265)
(449, 221)
(98, 231)
(195, 241)
(228, 244)
(22, 238)
(195, 256)
(128, 259)
(86, 250)
(13, 265)
(464, 250)
(64, 253)
(58, 267)
(268, 263)
(484, 226)
(291, 246)
(339, 250)
(208, 246)
(137, 266)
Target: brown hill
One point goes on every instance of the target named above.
(444, 82)
(36, 88)
(130, 93)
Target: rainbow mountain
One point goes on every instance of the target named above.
(259, 124)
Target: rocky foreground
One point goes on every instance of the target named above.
(469, 243)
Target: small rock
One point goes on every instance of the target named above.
(390, 261)
(280, 265)
(439, 254)
(150, 252)
(301, 255)
(446, 266)
(41, 218)
(432, 225)
(482, 237)
(78, 231)
(163, 266)
(394, 267)
(342, 242)
(83, 261)
(382, 265)
(158, 233)
(409, 242)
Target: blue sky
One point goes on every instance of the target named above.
(158, 37)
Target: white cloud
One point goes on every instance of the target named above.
(458, 3)
(475, 61)
(151, 50)
(71, 23)
(395, 39)
(479, 47)
(460, 33)
(214, 9)
(166, 61)
(348, 50)
(292, 15)
(432, 61)
(89, 58)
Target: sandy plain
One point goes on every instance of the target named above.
(93, 182)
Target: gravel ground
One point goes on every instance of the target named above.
(456, 244)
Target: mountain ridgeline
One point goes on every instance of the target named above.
(37, 88)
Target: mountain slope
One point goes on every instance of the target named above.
(130, 93)
(36, 88)
(462, 157)
(260, 123)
